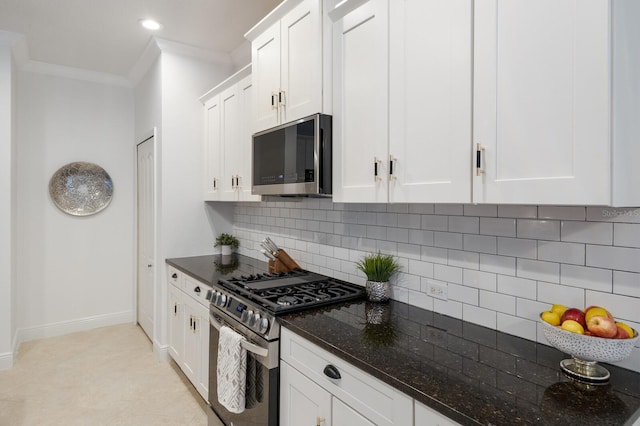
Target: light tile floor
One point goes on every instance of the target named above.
(107, 376)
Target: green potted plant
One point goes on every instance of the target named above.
(378, 268)
(227, 243)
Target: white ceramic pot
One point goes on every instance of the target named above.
(226, 250)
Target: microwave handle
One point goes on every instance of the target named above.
(260, 351)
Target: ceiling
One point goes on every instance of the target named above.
(105, 36)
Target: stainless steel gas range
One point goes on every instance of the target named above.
(250, 304)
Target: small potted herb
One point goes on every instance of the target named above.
(227, 243)
(378, 268)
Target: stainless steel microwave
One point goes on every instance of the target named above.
(294, 158)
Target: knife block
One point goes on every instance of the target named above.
(275, 266)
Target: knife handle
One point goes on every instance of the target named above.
(284, 257)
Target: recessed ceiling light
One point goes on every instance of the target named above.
(150, 24)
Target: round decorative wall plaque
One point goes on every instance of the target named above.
(81, 189)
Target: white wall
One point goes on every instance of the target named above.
(73, 272)
(7, 82)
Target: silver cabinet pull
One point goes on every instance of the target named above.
(479, 151)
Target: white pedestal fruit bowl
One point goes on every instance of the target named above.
(587, 351)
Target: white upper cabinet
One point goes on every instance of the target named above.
(542, 109)
(228, 114)
(402, 101)
(286, 54)
(430, 100)
(360, 101)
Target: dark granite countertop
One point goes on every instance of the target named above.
(469, 373)
(210, 268)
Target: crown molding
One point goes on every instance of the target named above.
(144, 62)
(210, 56)
(76, 73)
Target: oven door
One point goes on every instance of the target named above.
(262, 377)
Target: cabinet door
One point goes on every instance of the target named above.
(201, 329)
(541, 101)
(231, 150)
(245, 92)
(301, 61)
(427, 416)
(360, 104)
(265, 57)
(176, 324)
(191, 355)
(302, 402)
(212, 149)
(430, 100)
(343, 415)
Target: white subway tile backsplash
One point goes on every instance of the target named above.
(502, 265)
(449, 209)
(561, 252)
(480, 243)
(447, 240)
(520, 287)
(498, 264)
(555, 293)
(626, 235)
(610, 214)
(464, 259)
(481, 210)
(434, 255)
(621, 307)
(464, 224)
(477, 315)
(518, 247)
(435, 222)
(516, 326)
(626, 283)
(498, 226)
(418, 267)
(586, 277)
(538, 270)
(620, 258)
(447, 273)
(498, 302)
(479, 279)
(538, 229)
(587, 232)
(525, 212)
(463, 293)
(562, 212)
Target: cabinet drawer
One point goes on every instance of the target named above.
(375, 400)
(175, 277)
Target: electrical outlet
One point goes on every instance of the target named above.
(438, 291)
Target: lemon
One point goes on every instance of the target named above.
(572, 326)
(559, 309)
(551, 317)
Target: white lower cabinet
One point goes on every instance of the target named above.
(189, 337)
(310, 397)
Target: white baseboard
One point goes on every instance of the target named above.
(161, 351)
(65, 327)
(6, 361)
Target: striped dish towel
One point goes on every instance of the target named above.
(231, 370)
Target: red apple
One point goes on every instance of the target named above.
(602, 326)
(574, 314)
(622, 333)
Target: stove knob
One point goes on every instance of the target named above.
(210, 295)
(221, 300)
(254, 320)
(246, 316)
(263, 325)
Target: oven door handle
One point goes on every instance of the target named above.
(260, 351)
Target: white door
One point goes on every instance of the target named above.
(301, 61)
(146, 236)
(302, 402)
(245, 93)
(343, 415)
(176, 324)
(360, 104)
(430, 100)
(541, 101)
(265, 59)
